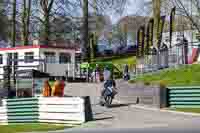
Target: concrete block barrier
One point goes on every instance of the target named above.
(59, 110)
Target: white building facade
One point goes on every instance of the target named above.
(50, 59)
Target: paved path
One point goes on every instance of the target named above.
(124, 115)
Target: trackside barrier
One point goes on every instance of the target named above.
(184, 97)
(65, 110)
(3, 115)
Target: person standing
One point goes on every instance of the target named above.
(63, 86)
(97, 73)
(57, 89)
(47, 89)
(126, 72)
(106, 74)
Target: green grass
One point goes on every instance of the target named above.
(126, 59)
(120, 61)
(187, 110)
(184, 76)
(29, 128)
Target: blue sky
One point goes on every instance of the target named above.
(133, 7)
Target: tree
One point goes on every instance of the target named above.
(101, 7)
(46, 6)
(187, 12)
(14, 23)
(3, 21)
(26, 21)
(85, 48)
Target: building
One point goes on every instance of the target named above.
(55, 60)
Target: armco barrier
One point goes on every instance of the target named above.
(184, 97)
(65, 110)
(23, 110)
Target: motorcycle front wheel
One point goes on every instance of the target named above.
(108, 100)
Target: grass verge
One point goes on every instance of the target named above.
(187, 110)
(20, 128)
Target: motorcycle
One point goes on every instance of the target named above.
(108, 96)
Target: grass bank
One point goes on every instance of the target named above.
(18, 128)
(183, 76)
(119, 61)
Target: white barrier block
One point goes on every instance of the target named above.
(61, 108)
(3, 122)
(62, 116)
(60, 121)
(3, 116)
(3, 110)
(4, 102)
(61, 100)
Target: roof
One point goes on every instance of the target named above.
(31, 73)
(36, 46)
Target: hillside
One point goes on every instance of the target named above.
(183, 76)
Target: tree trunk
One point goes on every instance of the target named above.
(24, 23)
(156, 13)
(46, 6)
(28, 22)
(46, 30)
(13, 45)
(85, 47)
(14, 24)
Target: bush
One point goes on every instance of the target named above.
(147, 83)
(163, 84)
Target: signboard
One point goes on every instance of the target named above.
(38, 86)
(24, 84)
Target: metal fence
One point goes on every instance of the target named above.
(173, 57)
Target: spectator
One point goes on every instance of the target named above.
(57, 89)
(47, 89)
(126, 72)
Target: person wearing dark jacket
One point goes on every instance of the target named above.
(126, 73)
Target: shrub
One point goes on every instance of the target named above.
(163, 84)
(147, 83)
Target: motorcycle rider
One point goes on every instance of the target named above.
(108, 82)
